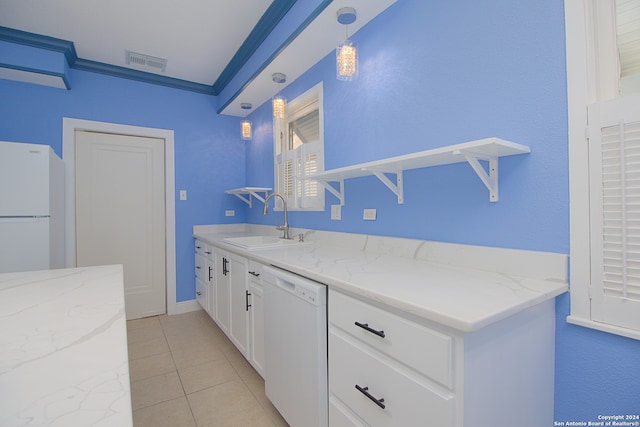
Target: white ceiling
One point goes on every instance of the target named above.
(197, 37)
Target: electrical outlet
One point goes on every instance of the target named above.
(183, 194)
(336, 212)
(230, 213)
(369, 215)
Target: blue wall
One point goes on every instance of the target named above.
(439, 73)
(209, 154)
(433, 74)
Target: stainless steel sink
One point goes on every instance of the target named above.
(261, 242)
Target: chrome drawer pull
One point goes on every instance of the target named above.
(366, 327)
(364, 390)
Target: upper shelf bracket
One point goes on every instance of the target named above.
(338, 193)
(490, 180)
(245, 194)
(397, 188)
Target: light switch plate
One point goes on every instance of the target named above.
(369, 215)
(183, 194)
(230, 213)
(336, 212)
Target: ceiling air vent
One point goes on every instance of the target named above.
(146, 62)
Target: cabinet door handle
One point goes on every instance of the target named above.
(210, 271)
(199, 293)
(366, 327)
(365, 391)
(198, 267)
(253, 273)
(224, 266)
(198, 247)
(207, 252)
(246, 300)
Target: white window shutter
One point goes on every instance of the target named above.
(614, 158)
(311, 162)
(288, 176)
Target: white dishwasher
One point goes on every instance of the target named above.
(295, 323)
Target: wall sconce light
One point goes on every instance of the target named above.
(278, 102)
(245, 125)
(347, 51)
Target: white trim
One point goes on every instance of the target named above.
(589, 29)
(69, 126)
(299, 106)
(578, 97)
(604, 327)
(186, 307)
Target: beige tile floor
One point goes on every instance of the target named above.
(186, 373)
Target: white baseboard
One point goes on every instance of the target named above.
(184, 307)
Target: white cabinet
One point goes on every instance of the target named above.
(256, 318)
(228, 287)
(222, 290)
(239, 304)
(232, 298)
(387, 368)
(204, 275)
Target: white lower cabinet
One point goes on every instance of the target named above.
(222, 291)
(256, 318)
(239, 303)
(389, 369)
(231, 298)
(228, 287)
(204, 275)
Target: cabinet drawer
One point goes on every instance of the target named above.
(425, 350)
(255, 270)
(407, 401)
(201, 268)
(203, 249)
(201, 294)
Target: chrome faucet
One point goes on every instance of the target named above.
(285, 226)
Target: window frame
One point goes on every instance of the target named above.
(296, 108)
(592, 76)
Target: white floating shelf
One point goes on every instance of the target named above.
(245, 193)
(489, 149)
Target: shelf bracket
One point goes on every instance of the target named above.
(331, 189)
(249, 194)
(490, 180)
(397, 188)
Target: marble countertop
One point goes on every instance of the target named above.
(63, 348)
(460, 286)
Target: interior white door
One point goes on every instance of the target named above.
(120, 213)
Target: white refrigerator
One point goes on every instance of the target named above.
(31, 208)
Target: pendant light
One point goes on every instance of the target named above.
(347, 51)
(245, 125)
(278, 102)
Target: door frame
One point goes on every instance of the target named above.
(69, 127)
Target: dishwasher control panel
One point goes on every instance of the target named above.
(306, 294)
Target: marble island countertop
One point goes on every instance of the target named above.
(460, 286)
(63, 351)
